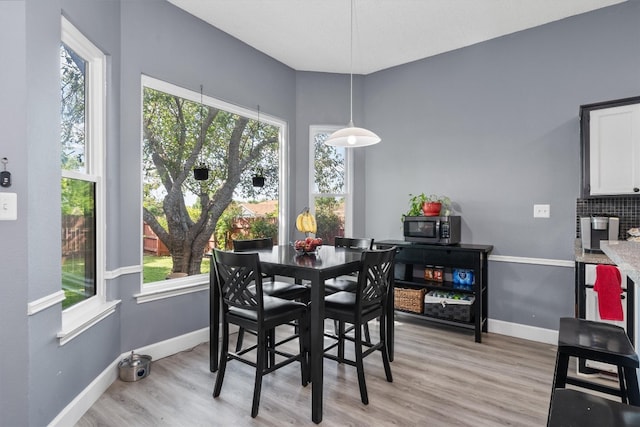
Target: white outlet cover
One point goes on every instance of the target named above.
(541, 211)
(8, 206)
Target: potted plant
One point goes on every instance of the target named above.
(431, 205)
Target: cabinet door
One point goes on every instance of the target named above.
(614, 150)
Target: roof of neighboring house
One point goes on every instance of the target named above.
(259, 209)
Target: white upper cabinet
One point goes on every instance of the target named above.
(611, 148)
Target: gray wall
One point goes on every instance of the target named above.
(494, 126)
(14, 348)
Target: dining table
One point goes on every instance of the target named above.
(284, 260)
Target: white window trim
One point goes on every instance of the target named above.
(348, 195)
(173, 287)
(85, 314)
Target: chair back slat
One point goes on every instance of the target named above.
(238, 279)
(353, 242)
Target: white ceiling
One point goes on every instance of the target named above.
(313, 35)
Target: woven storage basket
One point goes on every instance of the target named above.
(409, 299)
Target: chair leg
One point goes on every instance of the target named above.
(224, 351)
(341, 333)
(260, 368)
(360, 365)
(623, 388)
(631, 381)
(271, 344)
(367, 335)
(240, 339)
(303, 334)
(385, 350)
(559, 375)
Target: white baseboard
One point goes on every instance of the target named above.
(72, 413)
(174, 345)
(516, 330)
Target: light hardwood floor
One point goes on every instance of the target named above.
(441, 377)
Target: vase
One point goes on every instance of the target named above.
(431, 208)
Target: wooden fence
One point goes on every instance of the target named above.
(75, 235)
(241, 230)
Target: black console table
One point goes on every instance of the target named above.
(412, 259)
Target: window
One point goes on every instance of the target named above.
(82, 141)
(183, 217)
(82, 117)
(330, 193)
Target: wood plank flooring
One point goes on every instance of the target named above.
(441, 377)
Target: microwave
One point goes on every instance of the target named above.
(437, 230)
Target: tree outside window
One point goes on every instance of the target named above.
(189, 216)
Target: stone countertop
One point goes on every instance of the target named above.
(626, 255)
(590, 257)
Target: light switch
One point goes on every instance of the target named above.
(8, 206)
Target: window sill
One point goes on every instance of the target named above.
(171, 288)
(78, 319)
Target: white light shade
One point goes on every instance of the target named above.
(352, 137)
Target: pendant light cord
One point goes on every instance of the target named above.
(351, 68)
(351, 136)
(201, 120)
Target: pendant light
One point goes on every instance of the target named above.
(201, 171)
(352, 136)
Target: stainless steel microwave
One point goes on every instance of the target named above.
(437, 230)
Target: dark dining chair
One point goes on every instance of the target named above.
(270, 286)
(244, 303)
(347, 283)
(368, 302)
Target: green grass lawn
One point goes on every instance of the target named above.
(75, 289)
(157, 268)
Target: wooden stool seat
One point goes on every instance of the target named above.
(601, 342)
(576, 408)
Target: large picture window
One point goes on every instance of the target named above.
(82, 145)
(330, 192)
(212, 173)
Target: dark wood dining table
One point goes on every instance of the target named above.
(283, 260)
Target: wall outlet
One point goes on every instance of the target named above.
(541, 211)
(8, 206)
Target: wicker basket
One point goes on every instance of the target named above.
(409, 299)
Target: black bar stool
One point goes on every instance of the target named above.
(601, 342)
(575, 408)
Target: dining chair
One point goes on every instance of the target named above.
(271, 287)
(244, 303)
(368, 302)
(347, 283)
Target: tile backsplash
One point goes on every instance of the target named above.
(627, 208)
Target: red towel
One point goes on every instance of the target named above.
(609, 288)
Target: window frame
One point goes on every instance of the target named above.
(81, 316)
(153, 291)
(348, 195)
